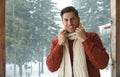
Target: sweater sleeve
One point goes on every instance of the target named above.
(54, 57)
(95, 51)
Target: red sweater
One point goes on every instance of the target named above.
(97, 58)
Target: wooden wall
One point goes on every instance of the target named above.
(2, 38)
(115, 37)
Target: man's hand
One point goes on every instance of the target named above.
(62, 37)
(81, 34)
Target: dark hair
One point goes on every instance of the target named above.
(69, 9)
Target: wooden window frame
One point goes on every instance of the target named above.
(115, 37)
(2, 38)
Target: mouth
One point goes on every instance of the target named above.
(71, 29)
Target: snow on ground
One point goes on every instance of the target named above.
(47, 73)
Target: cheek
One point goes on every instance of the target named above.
(65, 26)
(77, 22)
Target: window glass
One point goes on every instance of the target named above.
(31, 25)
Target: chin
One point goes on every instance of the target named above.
(71, 31)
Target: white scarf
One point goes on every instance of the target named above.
(79, 60)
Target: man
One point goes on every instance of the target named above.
(75, 52)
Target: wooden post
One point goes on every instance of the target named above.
(118, 38)
(2, 38)
(115, 37)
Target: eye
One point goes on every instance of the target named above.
(66, 20)
(73, 18)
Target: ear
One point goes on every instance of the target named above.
(62, 25)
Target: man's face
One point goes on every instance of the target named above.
(70, 21)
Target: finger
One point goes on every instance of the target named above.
(76, 33)
(78, 30)
(63, 31)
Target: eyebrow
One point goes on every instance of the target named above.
(70, 18)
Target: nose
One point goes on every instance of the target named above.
(69, 22)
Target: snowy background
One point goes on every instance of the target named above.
(34, 66)
(34, 73)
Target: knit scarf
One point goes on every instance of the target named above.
(79, 60)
